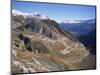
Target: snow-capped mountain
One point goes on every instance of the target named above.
(74, 21)
(79, 27)
(71, 21)
(89, 21)
(29, 15)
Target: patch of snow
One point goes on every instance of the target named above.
(26, 15)
(15, 12)
(29, 15)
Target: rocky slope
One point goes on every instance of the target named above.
(39, 45)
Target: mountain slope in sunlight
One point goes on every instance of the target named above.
(40, 45)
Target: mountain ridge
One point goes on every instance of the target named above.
(75, 21)
(29, 15)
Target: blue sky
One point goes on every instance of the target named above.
(58, 12)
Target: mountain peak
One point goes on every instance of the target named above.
(15, 12)
(29, 15)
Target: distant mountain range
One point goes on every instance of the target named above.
(79, 27)
(77, 21)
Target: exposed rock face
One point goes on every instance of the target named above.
(39, 45)
(49, 28)
(43, 27)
